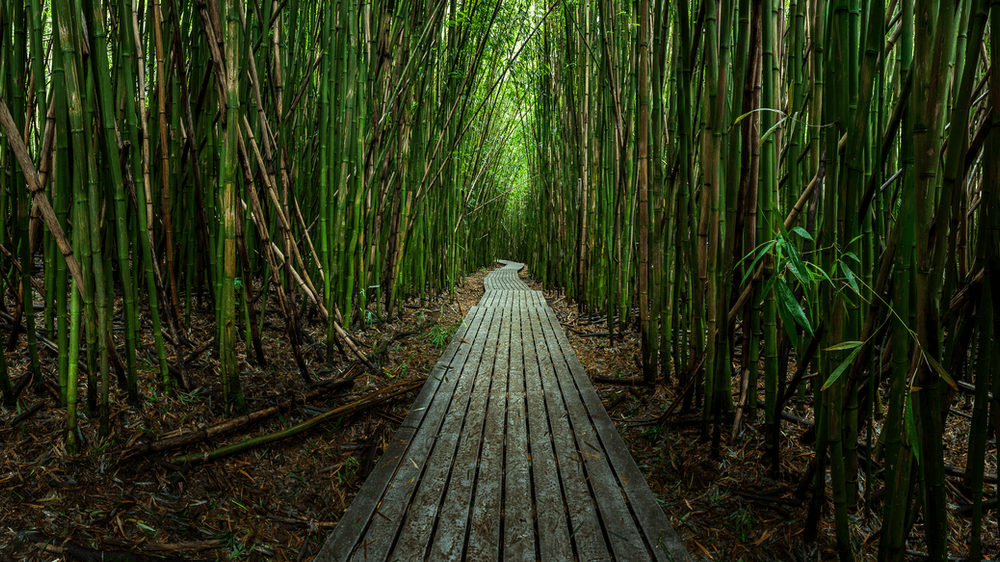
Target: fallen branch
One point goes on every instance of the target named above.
(310, 523)
(617, 402)
(21, 384)
(966, 510)
(633, 381)
(227, 426)
(960, 472)
(379, 397)
(763, 498)
(971, 389)
(37, 191)
(65, 548)
(26, 414)
(382, 348)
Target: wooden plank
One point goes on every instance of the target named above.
(505, 278)
(471, 467)
(507, 454)
(616, 518)
(587, 535)
(485, 526)
(519, 538)
(551, 513)
(347, 534)
(654, 525)
(452, 460)
(385, 523)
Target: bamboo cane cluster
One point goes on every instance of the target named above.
(790, 199)
(327, 159)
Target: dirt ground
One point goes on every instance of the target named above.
(279, 501)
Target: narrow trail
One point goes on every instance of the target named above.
(507, 454)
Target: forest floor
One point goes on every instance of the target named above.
(279, 501)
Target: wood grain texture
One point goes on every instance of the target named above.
(507, 454)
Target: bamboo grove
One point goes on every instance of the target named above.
(798, 197)
(161, 158)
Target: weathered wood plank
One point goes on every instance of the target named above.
(346, 536)
(507, 454)
(519, 538)
(587, 535)
(448, 463)
(616, 519)
(654, 525)
(552, 526)
(384, 528)
(485, 527)
(506, 278)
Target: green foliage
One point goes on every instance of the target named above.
(654, 432)
(441, 335)
(792, 272)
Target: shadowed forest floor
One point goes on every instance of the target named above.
(279, 501)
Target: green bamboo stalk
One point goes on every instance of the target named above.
(766, 205)
(92, 204)
(934, 27)
(986, 253)
(132, 72)
(645, 312)
(16, 86)
(72, 386)
(899, 455)
(229, 367)
(104, 96)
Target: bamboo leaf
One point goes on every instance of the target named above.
(845, 345)
(842, 367)
(788, 323)
(772, 130)
(850, 277)
(940, 370)
(788, 302)
(765, 248)
(822, 273)
(911, 429)
(751, 112)
(796, 264)
(802, 232)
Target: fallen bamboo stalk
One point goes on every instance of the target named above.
(26, 414)
(227, 426)
(379, 397)
(65, 548)
(38, 194)
(966, 509)
(763, 497)
(620, 381)
(960, 473)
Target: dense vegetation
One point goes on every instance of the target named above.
(799, 195)
(796, 197)
(331, 156)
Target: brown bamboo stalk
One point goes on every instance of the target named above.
(38, 192)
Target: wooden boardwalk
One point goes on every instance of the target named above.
(507, 454)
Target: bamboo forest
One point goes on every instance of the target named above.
(237, 236)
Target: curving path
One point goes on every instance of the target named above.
(507, 454)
